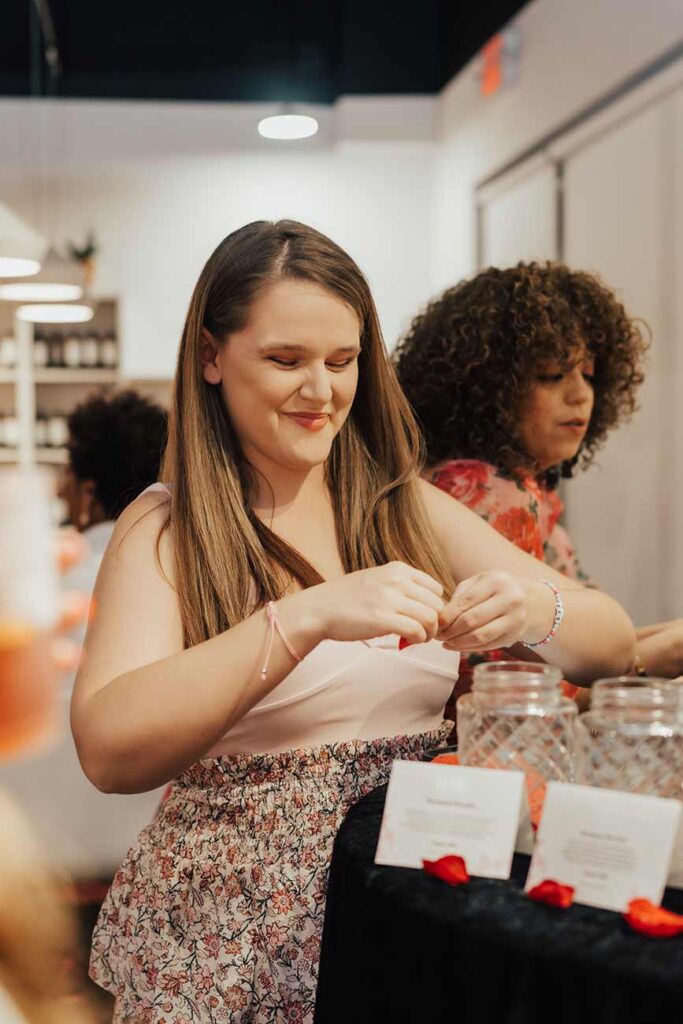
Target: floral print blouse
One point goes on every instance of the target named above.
(523, 510)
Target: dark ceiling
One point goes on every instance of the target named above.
(296, 50)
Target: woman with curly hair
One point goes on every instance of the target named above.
(517, 377)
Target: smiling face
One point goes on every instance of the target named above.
(289, 377)
(555, 415)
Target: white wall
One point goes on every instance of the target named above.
(572, 54)
(161, 185)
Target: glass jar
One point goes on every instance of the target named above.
(517, 717)
(632, 737)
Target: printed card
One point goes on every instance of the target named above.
(613, 847)
(433, 810)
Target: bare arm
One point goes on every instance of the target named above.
(660, 648)
(596, 637)
(643, 632)
(144, 708)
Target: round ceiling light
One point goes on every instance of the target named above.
(58, 280)
(29, 291)
(14, 266)
(288, 126)
(62, 313)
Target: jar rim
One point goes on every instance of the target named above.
(635, 692)
(524, 675)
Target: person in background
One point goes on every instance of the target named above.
(247, 636)
(116, 442)
(517, 377)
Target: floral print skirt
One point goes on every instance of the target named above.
(217, 912)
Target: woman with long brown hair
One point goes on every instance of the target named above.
(246, 644)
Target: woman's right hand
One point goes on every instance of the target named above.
(391, 598)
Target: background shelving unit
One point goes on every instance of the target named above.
(28, 391)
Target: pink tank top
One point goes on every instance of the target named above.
(347, 691)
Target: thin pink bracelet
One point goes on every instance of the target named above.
(275, 624)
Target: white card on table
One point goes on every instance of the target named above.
(613, 847)
(433, 810)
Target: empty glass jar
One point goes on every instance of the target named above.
(517, 717)
(632, 737)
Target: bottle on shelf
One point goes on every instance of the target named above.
(40, 431)
(8, 352)
(72, 350)
(41, 350)
(57, 431)
(90, 350)
(109, 351)
(11, 431)
(56, 350)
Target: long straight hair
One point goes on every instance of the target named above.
(227, 562)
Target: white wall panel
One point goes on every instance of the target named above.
(519, 222)
(619, 203)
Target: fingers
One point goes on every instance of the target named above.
(468, 594)
(403, 573)
(423, 579)
(496, 634)
(486, 612)
(425, 620)
(425, 596)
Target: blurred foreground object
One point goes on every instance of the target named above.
(28, 611)
(38, 939)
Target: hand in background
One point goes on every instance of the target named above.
(661, 652)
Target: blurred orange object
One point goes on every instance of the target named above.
(553, 893)
(649, 919)
(28, 705)
(451, 869)
(446, 759)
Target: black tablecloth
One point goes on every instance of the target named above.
(400, 946)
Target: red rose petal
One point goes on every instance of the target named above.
(649, 919)
(403, 643)
(553, 893)
(451, 869)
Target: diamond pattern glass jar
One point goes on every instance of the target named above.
(632, 737)
(516, 717)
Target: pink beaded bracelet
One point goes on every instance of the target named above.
(557, 619)
(275, 624)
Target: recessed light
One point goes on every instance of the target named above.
(288, 126)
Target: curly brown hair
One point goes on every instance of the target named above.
(469, 361)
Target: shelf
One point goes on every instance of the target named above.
(7, 376)
(8, 455)
(57, 375)
(60, 456)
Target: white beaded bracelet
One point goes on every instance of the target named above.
(557, 620)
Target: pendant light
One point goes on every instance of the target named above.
(55, 313)
(21, 247)
(58, 280)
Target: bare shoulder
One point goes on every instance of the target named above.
(137, 616)
(142, 536)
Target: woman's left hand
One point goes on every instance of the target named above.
(487, 611)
